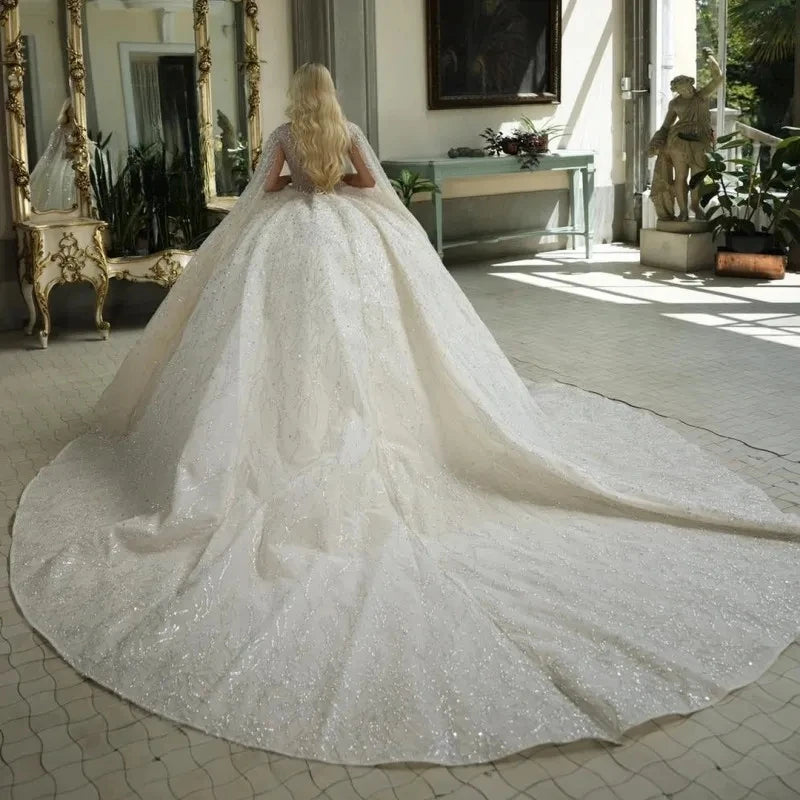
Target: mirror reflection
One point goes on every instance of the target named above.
(141, 105)
(229, 103)
(48, 112)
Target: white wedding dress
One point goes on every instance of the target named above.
(324, 516)
(52, 181)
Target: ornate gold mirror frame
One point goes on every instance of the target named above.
(14, 68)
(251, 66)
(13, 76)
(69, 246)
(58, 246)
(77, 82)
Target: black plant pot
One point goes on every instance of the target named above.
(751, 242)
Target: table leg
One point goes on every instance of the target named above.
(100, 290)
(588, 191)
(438, 218)
(43, 300)
(25, 285)
(573, 206)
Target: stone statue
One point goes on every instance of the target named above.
(681, 145)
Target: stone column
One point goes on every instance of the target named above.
(636, 56)
(341, 35)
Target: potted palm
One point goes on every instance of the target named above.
(752, 205)
(410, 183)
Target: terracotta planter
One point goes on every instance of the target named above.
(767, 266)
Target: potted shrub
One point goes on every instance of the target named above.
(410, 183)
(527, 142)
(538, 136)
(752, 206)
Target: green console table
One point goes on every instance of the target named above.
(579, 163)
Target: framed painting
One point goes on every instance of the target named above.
(493, 52)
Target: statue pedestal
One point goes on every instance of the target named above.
(682, 247)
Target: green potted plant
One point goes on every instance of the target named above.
(410, 183)
(527, 142)
(540, 135)
(736, 192)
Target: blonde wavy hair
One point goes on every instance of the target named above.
(319, 127)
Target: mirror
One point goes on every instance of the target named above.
(48, 120)
(142, 124)
(226, 33)
(228, 97)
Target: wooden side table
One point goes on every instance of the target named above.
(69, 251)
(578, 163)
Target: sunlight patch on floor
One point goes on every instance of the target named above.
(608, 255)
(784, 291)
(777, 328)
(550, 283)
(615, 288)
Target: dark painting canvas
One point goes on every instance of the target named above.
(493, 52)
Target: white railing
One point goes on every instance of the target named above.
(760, 139)
(763, 144)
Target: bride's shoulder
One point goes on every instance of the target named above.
(356, 134)
(281, 132)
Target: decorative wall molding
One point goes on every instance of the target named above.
(312, 33)
(371, 71)
(342, 37)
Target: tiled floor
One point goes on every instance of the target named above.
(717, 358)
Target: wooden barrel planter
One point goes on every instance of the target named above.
(766, 266)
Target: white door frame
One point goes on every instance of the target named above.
(126, 49)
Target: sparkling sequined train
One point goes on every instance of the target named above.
(324, 516)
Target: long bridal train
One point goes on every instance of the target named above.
(324, 516)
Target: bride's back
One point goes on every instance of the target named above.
(302, 180)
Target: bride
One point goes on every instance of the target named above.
(52, 181)
(322, 514)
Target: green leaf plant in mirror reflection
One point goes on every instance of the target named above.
(154, 200)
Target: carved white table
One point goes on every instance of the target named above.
(52, 254)
(73, 251)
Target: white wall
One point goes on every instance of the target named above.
(590, 107)
(41, 24)
(685, 32)
(275, 50)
